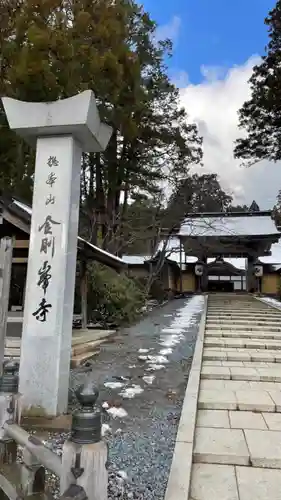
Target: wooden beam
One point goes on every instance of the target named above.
(181, 288)
(21, 244)
(84, 293)
(6, 254)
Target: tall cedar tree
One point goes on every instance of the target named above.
(53, 49)
(261, 115)
(148, 219)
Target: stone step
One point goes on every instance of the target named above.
(266, 310)
(233, 319)
(239, 314)
(246, 364)
(244, 327)
(258, 448)
(258, 374)
(251, 343)
(248, 355)
(220, 446)
(272, 388)
(243, 321)
(247, 400)
(245, 334)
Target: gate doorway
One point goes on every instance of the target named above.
(220, 286)
(226, 283)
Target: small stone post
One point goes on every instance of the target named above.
(60, 131)
(84, 456)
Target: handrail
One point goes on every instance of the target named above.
(46, 457)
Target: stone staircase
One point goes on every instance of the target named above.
(237, 447)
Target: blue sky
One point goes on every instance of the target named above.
(211, 32)
(216, 45)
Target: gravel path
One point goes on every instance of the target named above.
(142, 376)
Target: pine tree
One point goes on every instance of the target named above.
(53, 49)
(261, 115)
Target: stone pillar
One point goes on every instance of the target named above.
(250, 275)
(60, 131)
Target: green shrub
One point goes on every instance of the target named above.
(116, 296)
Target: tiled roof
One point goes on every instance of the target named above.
(242, 225)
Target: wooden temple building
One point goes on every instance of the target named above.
(208, 252)
(15, 220)
(222, 252)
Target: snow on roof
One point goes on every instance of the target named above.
(238, 262)
(136, 260)
(24, 207)
(99, 250)
(172, 251)
(275, 257)
(214, 225)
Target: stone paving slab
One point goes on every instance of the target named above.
(223, 399)
(247, 420)
(213, 418)
(217, 399)
(251, 343)
(243, 334)
(228, 321)
(247, 327)
(248, 355)
(221, 446)
(273, 421)
(258, 373)
(264, 448)
(213, 482)
(257, 484)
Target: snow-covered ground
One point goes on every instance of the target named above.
(271, 301)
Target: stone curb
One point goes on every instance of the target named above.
(180, 473)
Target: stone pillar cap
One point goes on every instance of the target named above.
(77, 116)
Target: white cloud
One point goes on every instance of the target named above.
(213, 105)
(170, 30)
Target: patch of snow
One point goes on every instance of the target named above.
(269, 300)
(132, 366)
(172, 330)
(166, 351)
(143, 358)
(152, 367)
(148, 379)
(105, 405)
(131, 392)
(105, 429)
(171, 340)
(123, 475)
(143, 350)
(158, 359)
(117, 412)
(114, 385)
(184, 320)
